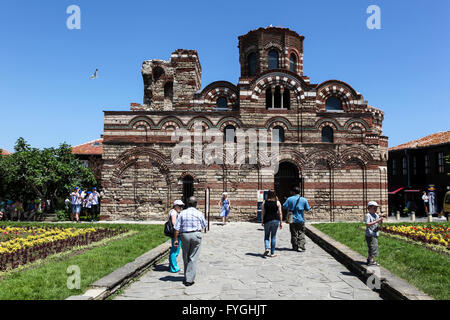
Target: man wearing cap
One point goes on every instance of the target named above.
(189, 225)
(174, 251)
(95, 203)
(372, 220)
(76, 204)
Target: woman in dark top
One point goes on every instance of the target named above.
(271, 219)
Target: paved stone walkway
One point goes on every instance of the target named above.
(232, 267)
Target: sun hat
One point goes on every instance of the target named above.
(373, 204)
(178, 203)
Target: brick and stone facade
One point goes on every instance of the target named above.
(332, 142)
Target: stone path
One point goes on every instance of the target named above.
(232, 267)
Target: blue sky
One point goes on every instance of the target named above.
(47, 98)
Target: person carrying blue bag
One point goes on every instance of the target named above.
(298, 205)
(174, 251)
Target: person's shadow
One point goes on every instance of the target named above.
(172, 278)
(176, 277)
(255, 254)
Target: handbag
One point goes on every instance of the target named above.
(290, 214)
(168, 228)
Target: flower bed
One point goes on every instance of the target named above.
(19, 246)
(437, 235)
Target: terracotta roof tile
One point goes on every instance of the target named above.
(4, 152)
(89, 148)
(431, 140)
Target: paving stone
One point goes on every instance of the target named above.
(234, 269)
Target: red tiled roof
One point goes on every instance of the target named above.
(431, 140)
(4, 152)
(89, 148)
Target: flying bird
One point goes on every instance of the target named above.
(94, 76)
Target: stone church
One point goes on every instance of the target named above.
(331, 143)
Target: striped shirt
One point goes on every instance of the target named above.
(190, 220)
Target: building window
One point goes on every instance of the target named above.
(427, 164)
(293, 63)
(222, 103)
(286, 99)
(333, 104)
(278, 134)
(85, 163)
(404, 166)
(273, 59)
(251, 61)
(230, 134)
(394, 167)
(441, 162)
(327, 134)
(415, 165)
(274, 98)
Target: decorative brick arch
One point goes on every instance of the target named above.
(131, 156)
(278, 79)
(338, 89)
(273, 45)
(359, 123)
(321, 123)
(278, 121)
(222, 123)
(316, 156)
(141, 121)
(205, 122)
(170, 121)
(356, 153)
(187, 173)
(295, 157)
(219, 89)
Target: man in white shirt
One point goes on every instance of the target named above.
(95, 203)
(189, 226)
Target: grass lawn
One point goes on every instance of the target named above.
(48, 279)
(425, 269)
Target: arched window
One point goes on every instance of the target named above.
(230, 134)
(278, 134)
(333, 104)
(273, 59)
(293, 63)
(251, 61)
(327, 134)
(269, 98)
(276, 99)
(222, 103)
(286, 99)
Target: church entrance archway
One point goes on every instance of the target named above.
(286, 179)
(188, 188)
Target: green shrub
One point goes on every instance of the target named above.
(62, 215)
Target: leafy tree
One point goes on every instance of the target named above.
(51, 173)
